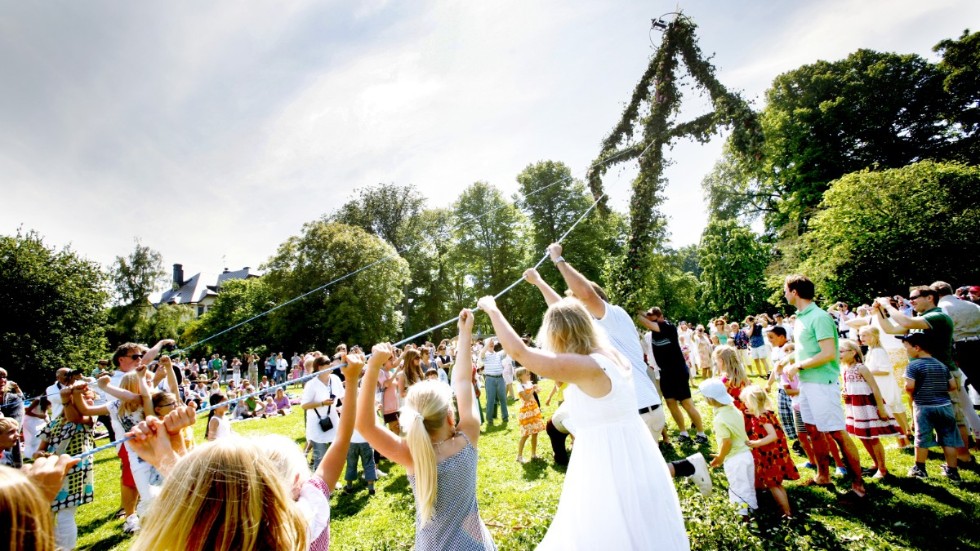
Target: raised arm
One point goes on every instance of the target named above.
(336, 456)
(534, 278)
(386, 442)
(579, 285)
(903, 321)
(578, 369)
(463, 386)
(152, 353)
(82, 406)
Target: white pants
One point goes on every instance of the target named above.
(740, 472)
(655, 422)
(65, 529)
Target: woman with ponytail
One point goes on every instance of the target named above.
(438, 453)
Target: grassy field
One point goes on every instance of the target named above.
(517, 501)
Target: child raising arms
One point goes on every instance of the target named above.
(438, 453)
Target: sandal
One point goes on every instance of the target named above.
(813, 482)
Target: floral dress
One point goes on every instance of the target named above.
(531, 420)
(773, 463)
(70, 438)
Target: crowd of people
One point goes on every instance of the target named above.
(838, 376)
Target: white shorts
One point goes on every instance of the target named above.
(655, 421)
(759, 353)
(821, 406)
(740, 472)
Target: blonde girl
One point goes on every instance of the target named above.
(728, 363)
(879, 363)
(530, 417)
(25, 503)
(867, 418)
(773, 462)
(224, 495)
(439, 454)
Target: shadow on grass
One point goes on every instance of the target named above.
(108, 542)
(99, 522)
(497, 427)
(535, 469)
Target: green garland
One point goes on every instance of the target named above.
(658, 89)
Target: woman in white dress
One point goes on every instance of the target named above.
(618, 492)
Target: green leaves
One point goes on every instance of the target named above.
(52, 310)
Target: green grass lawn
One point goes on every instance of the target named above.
(517, 502)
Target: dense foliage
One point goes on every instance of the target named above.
(52, 310)
(877, 232)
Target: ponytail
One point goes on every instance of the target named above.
(427, 406)
(215, 399)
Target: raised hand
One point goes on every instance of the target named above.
(554, 251)
(48, 473)
(532, 276)
(383, 352)
(352, 371)
(487, 303)
(465, 323)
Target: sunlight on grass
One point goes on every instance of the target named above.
(517, 502)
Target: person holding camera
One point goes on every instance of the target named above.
(319, 395)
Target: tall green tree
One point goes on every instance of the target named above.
(491, 243)
(878, 232)
(134, 278)
(960, 66)
(238, 301)
(733, 261)
(363, 308)
(830, 118)
(52, 310)
(390, 211)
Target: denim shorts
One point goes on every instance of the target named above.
(939, 420)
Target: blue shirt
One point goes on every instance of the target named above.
(931, 378)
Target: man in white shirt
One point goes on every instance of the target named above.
(54, 391)
(619, 328)
(966, 331)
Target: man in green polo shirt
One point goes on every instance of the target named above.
(931, 321)
(815, 333)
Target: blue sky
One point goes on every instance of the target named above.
(213, 131)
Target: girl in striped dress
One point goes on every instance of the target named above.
(867, 418)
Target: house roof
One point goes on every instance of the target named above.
(201, 285)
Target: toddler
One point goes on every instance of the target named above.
(531, 421)
(770, 452)
(733, 449)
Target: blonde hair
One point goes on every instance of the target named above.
(521, 372)
(7, 423)
(731, 365)
(25, 516)
(848, 344)
(755, 399)
(287, 459)
(870, 336)
(427, 406)
(131, 383)
(568, 327)
(225, 495)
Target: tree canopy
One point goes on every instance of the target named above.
(878, 232)
(52, 310)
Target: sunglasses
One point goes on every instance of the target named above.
(168, 405)
(136, 356)
(913, 297)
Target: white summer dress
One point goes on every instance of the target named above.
(618, 492)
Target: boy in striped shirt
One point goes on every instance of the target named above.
(929, 382)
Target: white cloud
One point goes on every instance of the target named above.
(217, 130)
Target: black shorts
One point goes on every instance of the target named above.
(391, 417)
(674, 384)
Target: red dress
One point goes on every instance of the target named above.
(773, 463)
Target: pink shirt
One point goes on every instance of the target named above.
(389, 398)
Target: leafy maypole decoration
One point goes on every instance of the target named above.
(658, 89)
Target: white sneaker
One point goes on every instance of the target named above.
(701, 477)
(132, 524)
